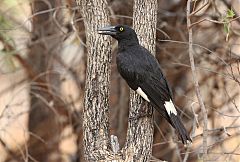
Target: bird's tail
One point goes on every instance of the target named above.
(181, 130)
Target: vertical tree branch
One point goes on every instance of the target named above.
(140, 131)
(195, 80)
(96, 103)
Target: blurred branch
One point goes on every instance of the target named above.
(218, 130)
(200, 8)
(195, 80)
(213, 21)
(53, 9)
(234, 55)
(8, 150)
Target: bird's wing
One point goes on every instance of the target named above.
(157, 84)
(157, 90)
(159, 94)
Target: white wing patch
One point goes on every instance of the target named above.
(169, 106)
(141, 93)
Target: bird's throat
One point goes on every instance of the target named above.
(124, 44)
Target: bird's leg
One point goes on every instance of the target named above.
(145, 110)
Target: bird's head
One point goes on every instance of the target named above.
(119, 32)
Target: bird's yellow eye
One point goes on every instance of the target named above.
(121, 29)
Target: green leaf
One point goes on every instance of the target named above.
(226, 27)
(230, 13)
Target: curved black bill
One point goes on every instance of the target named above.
(108, 30)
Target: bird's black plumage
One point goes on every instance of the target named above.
(143, 74)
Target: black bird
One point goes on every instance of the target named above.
(143, 74)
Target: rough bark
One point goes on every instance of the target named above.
(95, 118)
(140, 132)
(96, 103)
(46, 106)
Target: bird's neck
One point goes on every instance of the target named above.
(124, 44)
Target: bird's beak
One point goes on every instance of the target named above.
(108, 30)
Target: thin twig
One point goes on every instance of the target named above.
(213, 21)
(195, 80)
(199, 9)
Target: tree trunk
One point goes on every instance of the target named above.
(140, 132)
(46, 106)
(96, 103)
